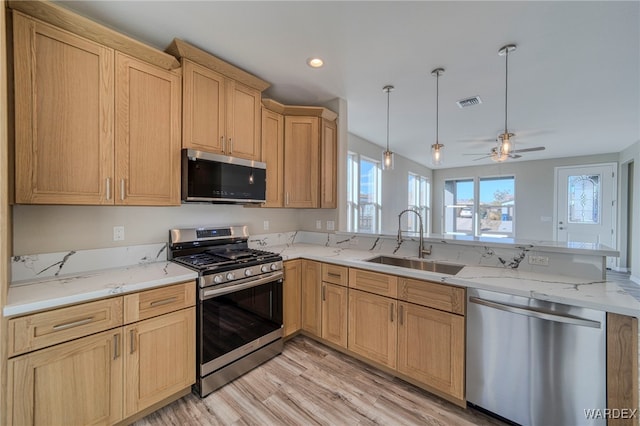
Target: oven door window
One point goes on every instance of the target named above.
(235, 319)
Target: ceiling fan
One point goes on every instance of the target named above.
(495, 155)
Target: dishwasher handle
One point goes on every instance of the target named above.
(535, 314)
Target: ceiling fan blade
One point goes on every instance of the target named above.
(479, 153)
(481, 158)
(536, 148)
(476, 140)
(515, 156)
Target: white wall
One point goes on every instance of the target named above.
(632, 153)
(394, 182)
(534, 190)
(47, 229)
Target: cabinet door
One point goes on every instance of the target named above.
(75, 383)
(311, 297)
(292, 296)
(273, 156)
(63, 116)
(301, 161)
(243, 121)
(372, 327)
(328, 165)
(431, 348)
(159, 359)
(334, 314)
(148, 122)
(203, 106)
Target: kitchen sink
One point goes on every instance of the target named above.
(422, 265)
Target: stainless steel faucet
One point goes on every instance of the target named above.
(421, 250)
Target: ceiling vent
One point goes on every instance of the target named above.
(469, 102)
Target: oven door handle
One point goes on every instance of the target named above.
(241, 285)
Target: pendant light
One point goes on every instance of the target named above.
(387, 156)
(505, 139)
(436, 148)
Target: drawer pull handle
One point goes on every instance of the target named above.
(132, 341)
(163, 301)
(333, 274)
(116, 346)
(72, 324)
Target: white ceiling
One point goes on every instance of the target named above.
(573, 81)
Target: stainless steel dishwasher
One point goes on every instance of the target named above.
(535, 362)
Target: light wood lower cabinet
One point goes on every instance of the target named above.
(372, 327)
(312, 297)
(292, 289)
(75, 383)
(334, 314)
(159, 360)
(431, 347)
(103, 376)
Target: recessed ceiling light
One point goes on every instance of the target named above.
(315, 62)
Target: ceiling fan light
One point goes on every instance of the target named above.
(387, 160)
(436, 154)
(506, 143)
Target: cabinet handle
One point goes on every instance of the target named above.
(132, 340)
(122, 189)
(116, 346)
(333, 274)
(286, 199)
(163, 301)
(391, 311)
(72, 324)
(401, 314)
(323, 292)
(222, 144)
(108, 189)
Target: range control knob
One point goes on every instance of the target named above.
(247, 272)
(264, 268)
(274, 266)
(231, 276)
(217, 279)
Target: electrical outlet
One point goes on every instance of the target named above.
(318, 224)
(539, 260)
(118, 233)
(331, 225)
(265, 225)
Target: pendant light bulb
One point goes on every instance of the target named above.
(505, 140)
(387, 155)
(436, 148)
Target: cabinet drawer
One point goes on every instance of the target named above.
(433, 295)
(373, 282)
(60, 325)
(335, 274)
(159, 301)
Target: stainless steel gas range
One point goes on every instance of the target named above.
(239, 306)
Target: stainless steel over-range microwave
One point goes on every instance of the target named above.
(208, 177)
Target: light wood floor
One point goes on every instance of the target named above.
(311, 384)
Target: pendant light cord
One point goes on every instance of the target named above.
(388, 91)
(506, 86)
(437, 106)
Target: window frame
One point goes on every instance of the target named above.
(424, 201)
(354, 203)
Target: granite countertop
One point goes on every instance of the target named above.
(52, 292)
(601, 295)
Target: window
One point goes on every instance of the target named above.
(363, 194)
(419, 196)
(480, 206)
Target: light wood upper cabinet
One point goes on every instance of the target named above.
(328, 165)
(74, 383)
(204, 107)
(221, 115)
(160, 359)
(64, 120)
(148, 105)
(273, 156)
(92, 126)
(292, 289)
(372, 327)
(431, 348)
(301, 165)
(311, 297)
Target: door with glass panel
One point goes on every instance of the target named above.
(586, 204)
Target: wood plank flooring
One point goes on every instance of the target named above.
(311, 384)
